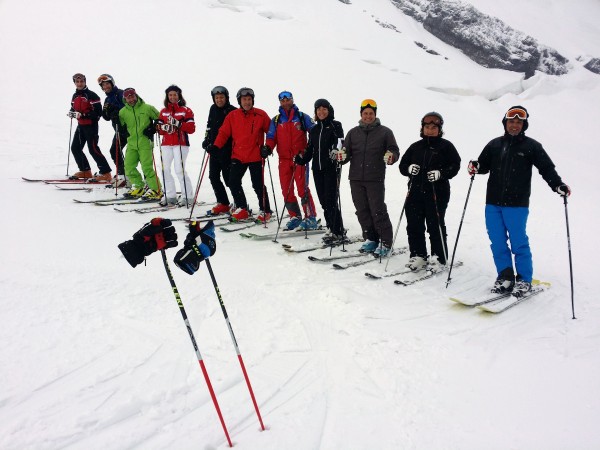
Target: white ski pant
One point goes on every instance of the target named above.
(172, 155)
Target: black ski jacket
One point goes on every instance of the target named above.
(216, 116)
(509, 161)
(431, 153)
(322, 138)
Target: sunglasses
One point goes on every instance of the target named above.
(78, 77)
(370, 103)
(129, 92)
(516, 113)
(219, 90)
(285, 95)
(103, 78)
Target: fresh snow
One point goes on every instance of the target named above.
(95, 355)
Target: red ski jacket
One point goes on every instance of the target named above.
(186, 124)
(247, 129)
(288, 132)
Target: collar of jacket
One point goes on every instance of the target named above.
(432, 141)
(518, 138)
(369, 126)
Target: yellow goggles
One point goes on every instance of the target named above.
(368, 103)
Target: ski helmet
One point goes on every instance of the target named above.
(219, 90)
(325, 104)
(79, 76)
(106, 77)
(368, 103)
(435, 118)
(243, 92)
(518, 112)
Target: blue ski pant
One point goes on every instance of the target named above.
(504, 224)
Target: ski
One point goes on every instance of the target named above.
(491, 297)
(378, 276)
(240, 225)
(512, 300)
(152, 209)
(69, 187)
(335, 257)
(319, 246)
(369, 257)
(429, 274)
(283, 234)
(56, 180)
(202, 218)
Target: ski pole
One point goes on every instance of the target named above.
(280, 218)
(69, 147)
(234, 341)
(459, 228)
(162, 164)
(118, 157)
(400, 219)
(194, 344)
(570, 258)
(437, 213)
(264, 192)
(183, 174)
(338, 209)
(308, 212)
(205, 161)
(273, 188)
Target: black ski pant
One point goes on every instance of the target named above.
(371, 210)
(236, 173)
(420, 216)
(326, 184)
(220, 162)
(88, 134)
(116, 152)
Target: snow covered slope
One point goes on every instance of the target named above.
(94, 354)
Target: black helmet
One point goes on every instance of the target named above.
(219, 90)
(433, 117)
(106, 77)
(244, 92)
(518, 112)
(325, 104)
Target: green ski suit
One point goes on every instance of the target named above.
(136, 119)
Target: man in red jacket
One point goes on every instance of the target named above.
(288, 132)
(246, 126)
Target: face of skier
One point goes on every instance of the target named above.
(220, 100)
(246, 102)
(514, 126)
(367, 116)
(322, 113)
(79, 83)
(431, 130)
(131, 99)
(106, 86)
(173, 97)
(286, 103)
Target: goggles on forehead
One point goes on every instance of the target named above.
(219, 90)
(129, 92)
(246, 91)
(368, 103)
(103, 78)
(516, 113)
(431, 120)
(285, 95)
(78, 77)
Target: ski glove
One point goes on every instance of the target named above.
(342, 155)
(388, 158)
(74, 114)
(414, 169)
(199, 245)
(563, 190)
(433, 175)
(205, 143)
(212, 149)
(473, 167)
(300, 160)
(265, 151)
(149, 131)
(333, 154)
(158, 234)
(167, 127)
(173, 121)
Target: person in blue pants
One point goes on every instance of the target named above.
(509, 160)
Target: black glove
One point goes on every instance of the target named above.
(123, 132)
(150, 130)
(299, 160)
(156, 235)
(205, 143)
(212, 149)
(265, 151)
(199, 245)
(563, 190)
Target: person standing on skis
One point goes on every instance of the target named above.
(137, 119)
(175, 123)
(246, 126)
(429, 163)
(110, 112)
(324, 141)
(509, 160)
(288, 132)
(86, 108)
(370, 147)
(220, 161)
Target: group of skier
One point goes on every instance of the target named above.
(242, 139)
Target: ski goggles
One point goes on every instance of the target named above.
(285, 95)
(431, 120)
(219, 90)
(368, 103)
(129, 92)
(102, 78)
(78, 77)
(516, 113)
(245, 91)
